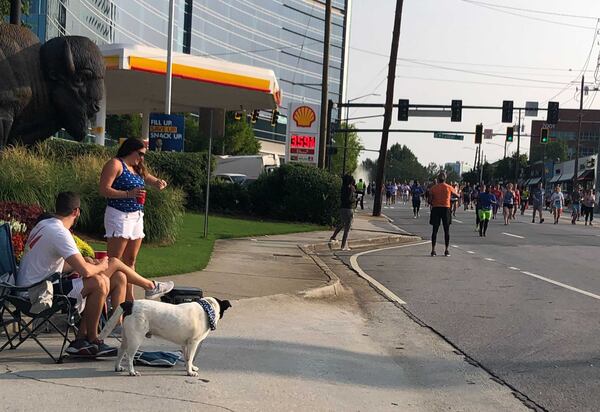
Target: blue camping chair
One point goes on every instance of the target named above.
(13, 306)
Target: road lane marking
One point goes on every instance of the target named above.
(459, 221)
(490, 259)
(510, 234)
(562, 285)
(470, 252)
(385, 291)
(455, 246)
(513, 268)
(391, 222)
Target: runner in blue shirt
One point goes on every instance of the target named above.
(485, 201)
(416, 191)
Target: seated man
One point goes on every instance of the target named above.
(50, 244)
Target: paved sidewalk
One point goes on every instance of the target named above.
(277, 348)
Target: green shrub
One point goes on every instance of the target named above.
(66, 149)
(297, 193)
(229, 198)
(30, 178)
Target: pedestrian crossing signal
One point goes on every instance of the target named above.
(544, 136)
(274, 118)
(237, 116)
(403, 105)
(510, 132)
(254, 117)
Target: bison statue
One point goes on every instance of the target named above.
(46, 87)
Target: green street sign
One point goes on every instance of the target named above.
(439, 135)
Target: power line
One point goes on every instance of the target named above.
(549, 13)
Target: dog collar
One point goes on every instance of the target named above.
(210, 312)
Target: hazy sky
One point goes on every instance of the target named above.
(531, 58)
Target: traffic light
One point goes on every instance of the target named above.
(254, 116)
(403, 110)
(456, 115)
(553, 112)
(507, 111)
(510, 132)
(274, 117)
(478, 133)
(544, 136)
(237, 116)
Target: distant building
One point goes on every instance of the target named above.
(458, 167)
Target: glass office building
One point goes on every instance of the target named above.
(283, 35)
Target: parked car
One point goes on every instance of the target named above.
(238, 178)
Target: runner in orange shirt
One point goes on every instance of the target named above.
(440, 200)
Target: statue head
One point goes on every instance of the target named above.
(74, 69)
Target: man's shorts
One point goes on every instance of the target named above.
(576, 207)
(485, 214)
(416, 202)
(72, 288)
(537, 206)
(508, 206)
(440, 215)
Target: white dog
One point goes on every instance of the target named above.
(186, 324)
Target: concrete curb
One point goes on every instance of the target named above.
(367, 242)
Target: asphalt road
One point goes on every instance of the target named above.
(524, 301)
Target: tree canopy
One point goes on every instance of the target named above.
(353, 148)
(401, 165)
(554, 150)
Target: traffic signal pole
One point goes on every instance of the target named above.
(389, 104)
(324, 87)
(578, 136)
(518, 165)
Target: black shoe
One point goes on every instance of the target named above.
(433, 253)
(81, 347)
(447, 253)
(542, 221)
(104, 351)
(533, 221)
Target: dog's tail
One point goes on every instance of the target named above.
(123, 308)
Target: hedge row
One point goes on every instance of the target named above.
(32, 179)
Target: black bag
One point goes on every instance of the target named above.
(182, 294)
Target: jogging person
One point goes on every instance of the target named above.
(524, 200)
(440, 195)
(417, 192)
(485, 201)
(508, 202)
(576, 204)
(558, 203)
(475, 196)
(537, 201)
(466, 192)
(517, 202)
(498, 195)
(360, 192)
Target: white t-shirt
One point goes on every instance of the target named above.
(47, 247)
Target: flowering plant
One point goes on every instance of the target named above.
(21, 219)
(18, 232)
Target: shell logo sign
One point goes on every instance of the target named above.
(304, 116)
(303, 133)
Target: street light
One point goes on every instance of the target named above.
(346, 128)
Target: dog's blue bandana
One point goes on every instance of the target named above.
(210, 312)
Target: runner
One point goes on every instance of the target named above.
(576, 205)
(440, 212)
(557, 200)
(388, 193)
(485, 201)
(498, 195)
(508, 202)
(524, 200)
(537, 201)
(588, 203)
(466, 192)
(454, 199)
(517, 202)
(417, 192)
(475, 196)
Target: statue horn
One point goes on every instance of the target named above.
(70, 65)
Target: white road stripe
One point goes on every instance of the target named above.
(490, 259)
(459, 221)
(388, 293)
(510, 234)
(454, 246)
(562, 285)
(470, 252)
(514, 268)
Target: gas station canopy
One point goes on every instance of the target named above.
(135, 82)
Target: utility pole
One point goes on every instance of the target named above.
(389, 103)
(15, 12)
(169, 73)
(518, 165)
(578, 137)
(324, 86)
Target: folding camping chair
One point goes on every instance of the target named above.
(15, 309)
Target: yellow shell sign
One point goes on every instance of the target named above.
(304, 116)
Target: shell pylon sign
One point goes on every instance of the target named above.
(303, 133)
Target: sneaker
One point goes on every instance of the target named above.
(433, 253)
(346, 248)
(81, 347)
(447, 253)
(159, 289)
(542, 221)
(104, 350)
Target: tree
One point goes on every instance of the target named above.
(126, 125)
(432, 170)
(238, 140)
(472, 177)
(554, 150)
(5, 7)
(370, 166)
(451, 175)
(402, 165)
(353, 148)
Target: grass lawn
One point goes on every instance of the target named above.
(191, 252)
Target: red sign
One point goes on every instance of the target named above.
(302, 142)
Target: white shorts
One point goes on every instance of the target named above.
(128, 225)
